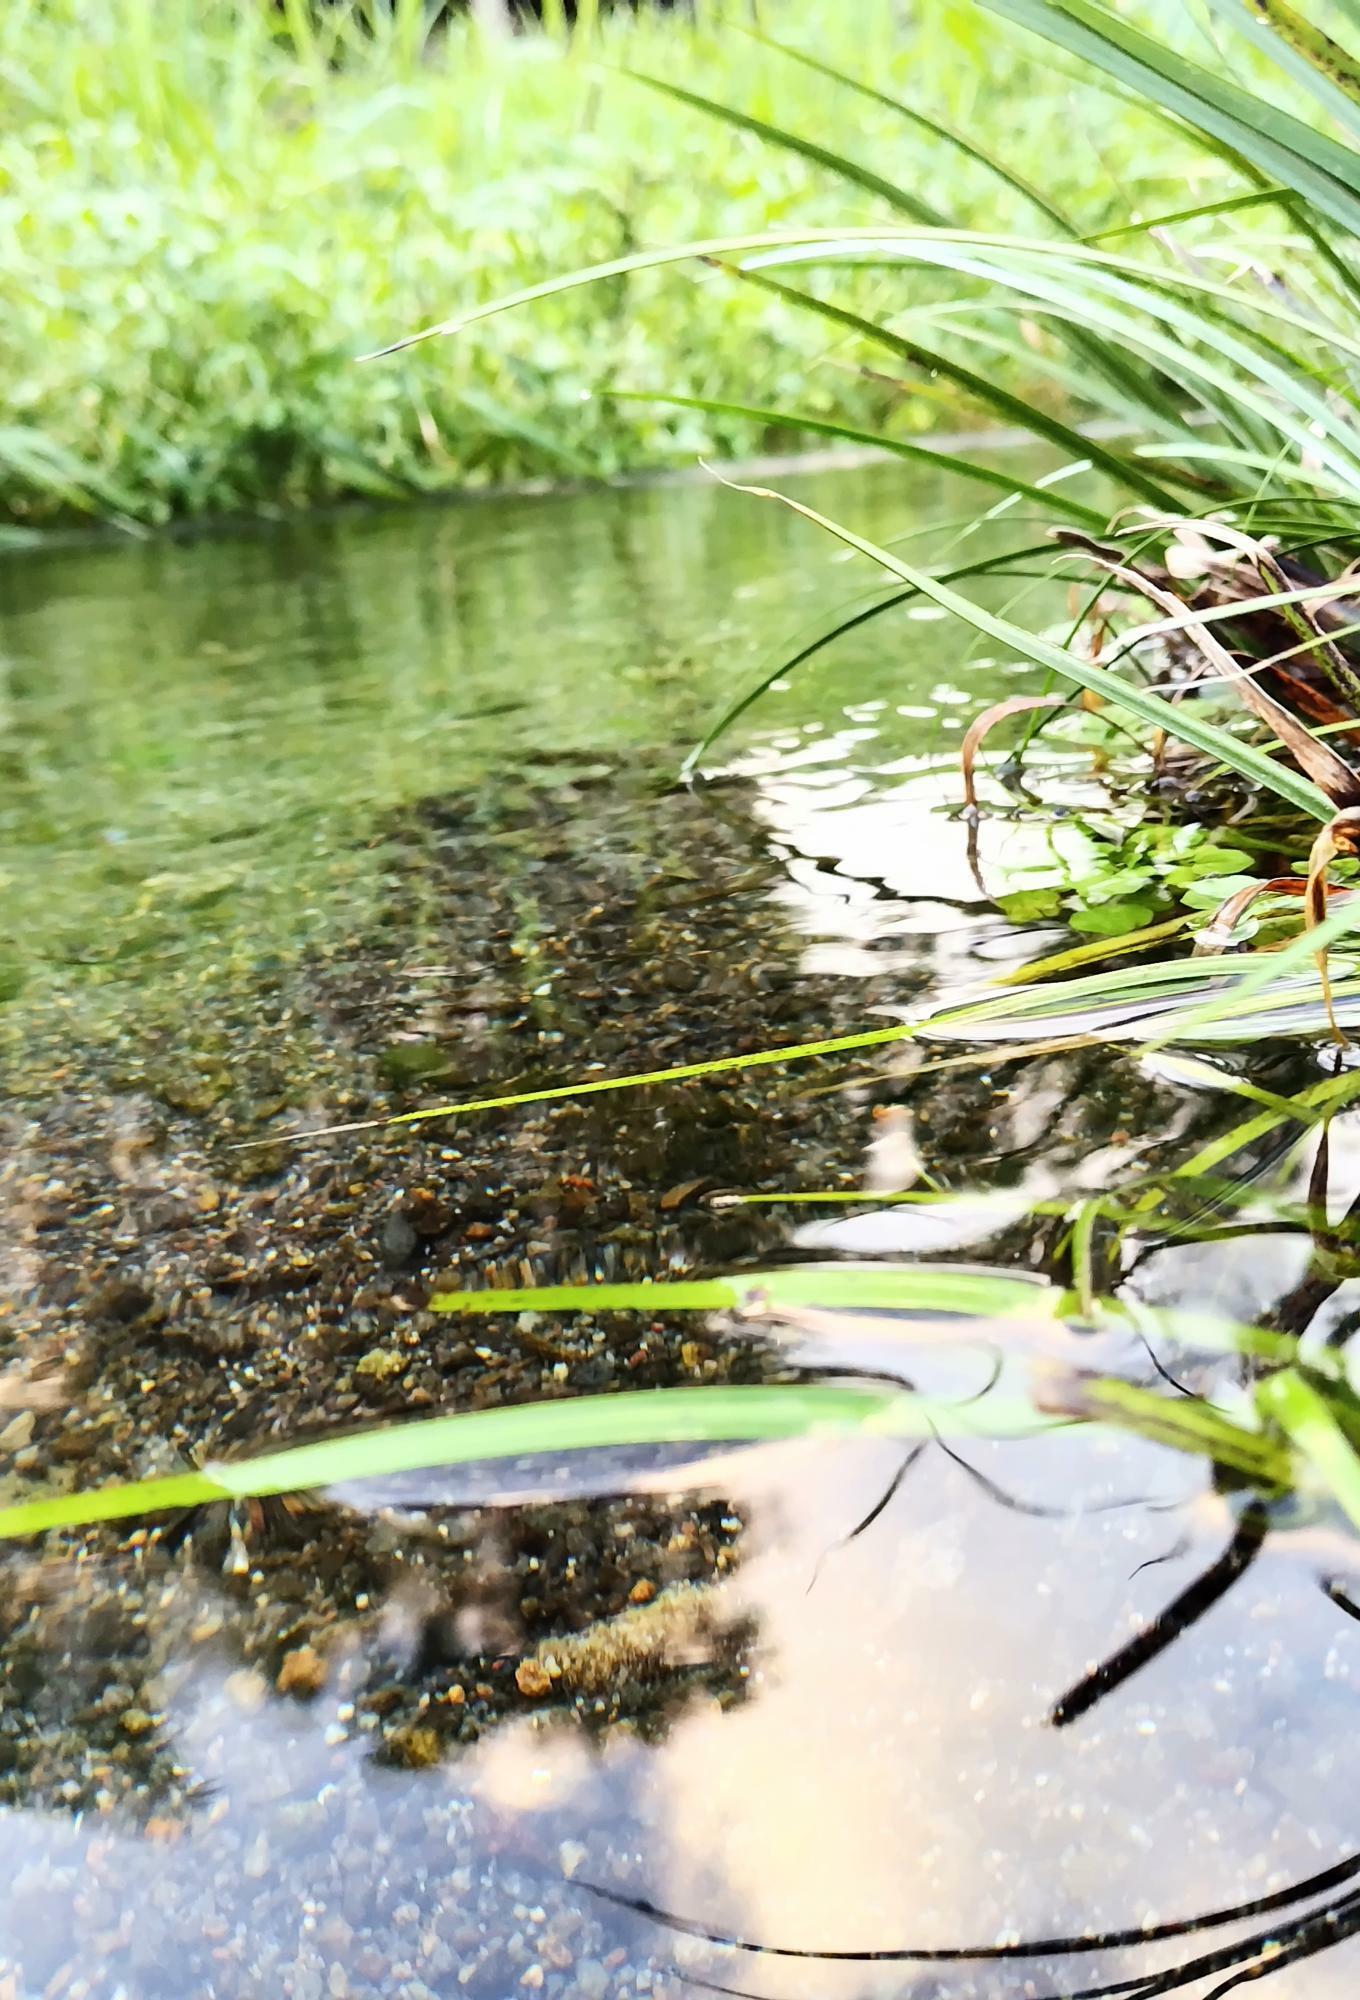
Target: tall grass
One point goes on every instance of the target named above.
(210, 208)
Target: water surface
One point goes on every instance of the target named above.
(314, 822)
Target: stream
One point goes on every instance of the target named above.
(307, 824)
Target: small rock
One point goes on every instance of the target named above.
(17, 1432)
(532, 1678)
(303, 1672)
(570, 1855)
(136, 1722)
(592, 1981)
(379, 1364)
(398, 1242)
(256, 1858)
(247, 1689)
(415, 1749)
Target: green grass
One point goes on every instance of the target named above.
(1308, 1450)
(204, 221)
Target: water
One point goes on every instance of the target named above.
(308, 823)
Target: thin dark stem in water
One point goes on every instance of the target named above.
(884, 1500)
(1340, 1873)
(1183, 1612)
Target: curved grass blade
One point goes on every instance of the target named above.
(792, 142)
(1244, 758)
(1183, 1423)
(1256, 198)
(1320, 169)
(1106, 358)
(988, 393)
(1049, 498)
(678, 1073)
(1304, 1415)
(944, 133)
(1326, 71)
(985, 566)
(1261, 393)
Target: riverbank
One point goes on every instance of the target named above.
(203, 226)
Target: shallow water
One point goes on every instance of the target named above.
(314, 822)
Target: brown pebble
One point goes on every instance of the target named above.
(532, 1678)
(642, 1592)
(303, 1672)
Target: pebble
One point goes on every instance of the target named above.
(302, 1672)
(533, 1679)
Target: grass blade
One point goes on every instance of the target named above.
(1246, 759)
(792, 142)
(985, 566)
(1279, 145)
(988, 393)
(640, 1079)
(1049, 498)
(915, 1288)
(731, 1414)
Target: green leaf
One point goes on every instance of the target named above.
(850, 170)
(1277, 144)
(925, 1288)
(1111, 919)
(1023, 906)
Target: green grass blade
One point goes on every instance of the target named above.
(1268, 970)
(1257, 198)
(987, 565)
(968, 147)
(614, 267)
(1277, 144)
(109, 1503)
(1238, 374)
(688, 1415)
(1320, 65)
(638, 1080)
(913, 1288)
(984, 390)
(792, 142)
(1244, 758)
(1096, 353)
(1182, 1424)
(1051, 499)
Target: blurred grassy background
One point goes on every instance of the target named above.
(209, 208)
